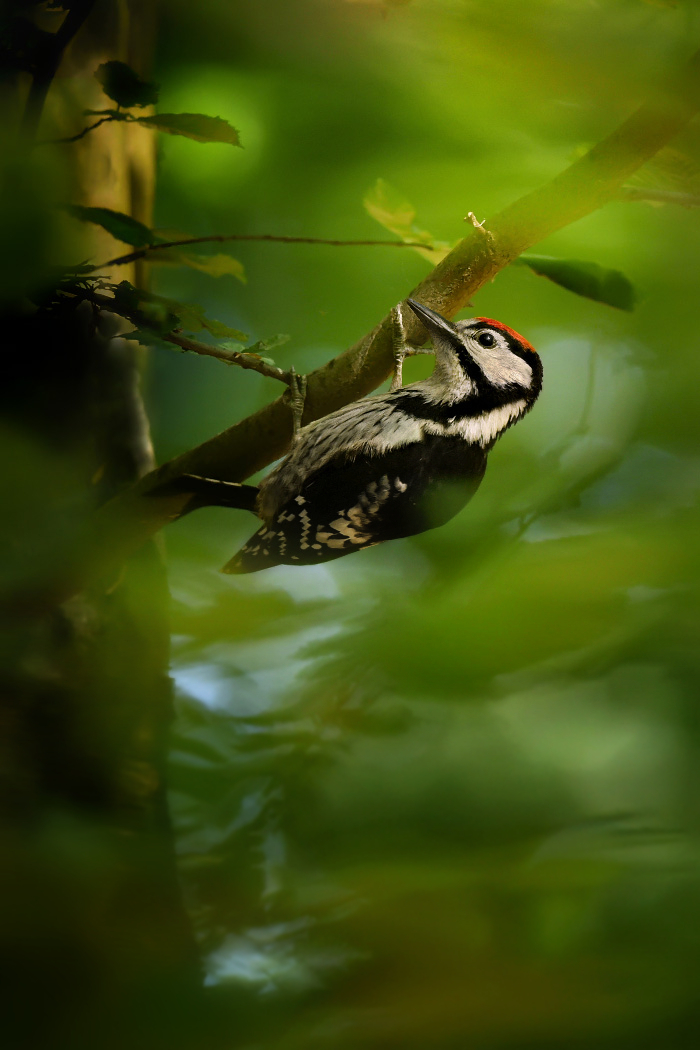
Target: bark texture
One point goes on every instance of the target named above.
(91, 913)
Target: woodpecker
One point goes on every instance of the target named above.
(392, 465)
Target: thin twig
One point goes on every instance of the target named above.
(229, 357)
(80, 135)
(220, 238)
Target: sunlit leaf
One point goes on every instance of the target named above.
(124, 86)
(220, 330)
(193, 126)
(587, 279)
(219, 265)
(122, 227)
(394, 212)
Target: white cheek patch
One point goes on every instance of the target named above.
(501, 367)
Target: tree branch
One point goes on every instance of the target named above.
(221, 238)
(244, 448)
(591, 181)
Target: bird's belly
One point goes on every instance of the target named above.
(368, 500)
(357, 501)
(446, 475)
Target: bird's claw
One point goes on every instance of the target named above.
(296, 398)
(399, 345)
(402, 349)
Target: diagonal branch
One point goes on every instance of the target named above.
(244, 448)
(585, 186)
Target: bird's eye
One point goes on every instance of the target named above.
(486, 339)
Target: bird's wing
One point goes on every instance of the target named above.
(370, 427)
(356, 502)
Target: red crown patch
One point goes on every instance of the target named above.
(511, 331)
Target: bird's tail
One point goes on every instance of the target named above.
(208, 492)
(262, 551)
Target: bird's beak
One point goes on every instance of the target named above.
(432, 321)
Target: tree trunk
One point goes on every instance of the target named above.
(94, 929)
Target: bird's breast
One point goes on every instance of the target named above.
(479, 430)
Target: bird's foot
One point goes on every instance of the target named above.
(296, 398)
(402, 348)
(399, 346)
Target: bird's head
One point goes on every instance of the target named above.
(481, 357)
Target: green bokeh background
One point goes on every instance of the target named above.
(443, 793)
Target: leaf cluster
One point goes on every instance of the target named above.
(130, 91)
(130, 231)
(157, 316)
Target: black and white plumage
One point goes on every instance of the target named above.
(396, 464)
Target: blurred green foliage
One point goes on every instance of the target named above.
(443, 793)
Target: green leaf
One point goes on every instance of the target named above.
(193, 126)
(588, 279)
(161, 315)
(259, 348)
(124, 86)
(392, 210)
(149, 312)
(121, 226)
(191, 316)
(215, 265)
(147, 337)
(222, 331)
(262, 346)
(395, 213)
